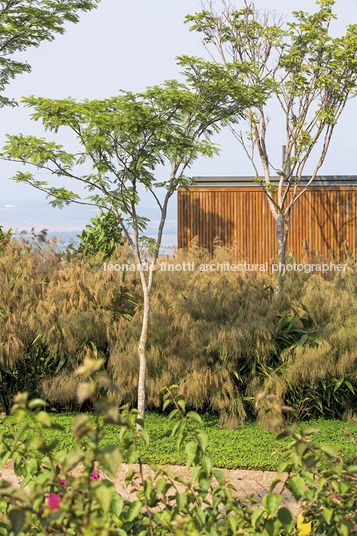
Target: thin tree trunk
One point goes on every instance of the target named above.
(281, 236)
(281, 239)
(142, 355)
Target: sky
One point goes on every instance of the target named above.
(131, 45)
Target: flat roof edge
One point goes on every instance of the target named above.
(320, 180)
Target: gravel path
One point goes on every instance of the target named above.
(244, 481)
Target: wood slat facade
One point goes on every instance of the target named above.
(323, 221)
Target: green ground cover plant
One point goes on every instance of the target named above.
(250, 447)
(56, 501)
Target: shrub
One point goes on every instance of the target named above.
(69, 493)
(100, 238)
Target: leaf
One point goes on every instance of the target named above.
(327, 514)
(257, 514)
(34, 442)
(132, 455)
(350, 386)
(202, 439)
(181, 500)
(338, 384)
(37, 403)
(271, 502)
(233, 523)
(148, 485)
(181, 404)
(219, 475)
(173, 414)
(191, 450)
(109, 458)
(18, 520)
(207, 465)
(104, 494)
(175, 427)
(351, 470)
(162, 485)
(309, 431)
(144, 436)
(194, 416)
(44, 418)
(85, 390)
(304, 528)
(195, 473)
(330, 450)
(134, 510)
(166, 404)
(81, 426)
(296, 484)
(129, 477)
(303, 340)
(72, 459)
(117, 504)
(286, 519)
(205, 483)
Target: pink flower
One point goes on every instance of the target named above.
(54, 501)
(95, 475)
(62, 482)
(334, 496)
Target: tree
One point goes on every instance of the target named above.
(127, 143)
(311, 76)
(25, 24)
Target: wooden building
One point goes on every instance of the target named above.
(235, 210)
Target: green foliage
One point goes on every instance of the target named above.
(126, 138)
(100, 238)
(25, 24)
(5, 236)
(309, 73)
(73, 493)
(3, 233)
(295, 330)
(250, 447)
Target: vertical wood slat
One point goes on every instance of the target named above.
(324, 217)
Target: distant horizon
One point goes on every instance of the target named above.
(66, 222)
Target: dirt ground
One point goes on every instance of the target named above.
(244, 481)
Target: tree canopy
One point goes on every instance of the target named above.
(123, 139)
(25, 24)
(308, 73)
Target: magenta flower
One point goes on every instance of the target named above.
(334, 496)
(95, 475)
(54, 501)
(62, 482)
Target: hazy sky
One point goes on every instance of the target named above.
(130, 45)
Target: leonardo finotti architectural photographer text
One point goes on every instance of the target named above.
(225, 267)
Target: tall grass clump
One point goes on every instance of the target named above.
(224, 339)
(220, 335)
(53, 313)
